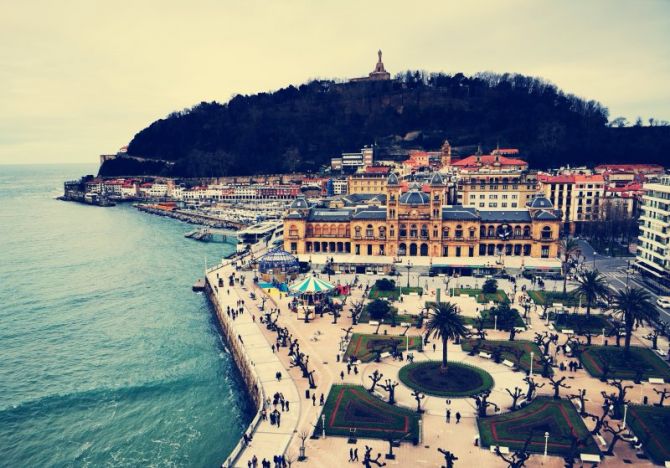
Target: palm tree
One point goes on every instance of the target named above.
(592, 286)
(568, 248)
(445, 323)
(633, 305)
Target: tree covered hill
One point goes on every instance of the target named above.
(301, 128)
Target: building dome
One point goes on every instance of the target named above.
(436, 180)
(414, 197)
(540, 202)
(392, 180)
(414, 186)
(300, 203)
(278, 261)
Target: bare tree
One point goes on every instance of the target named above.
(515, 396)
(418, 396)
(616, 435)
(375, 377)
(532, 387)
(389, 386)
(289, 458)
(581, 396)
(543, 340)
(617, 398)
(302, 435)
(368, 461)
(599, 420)
(663, 394)
(483, 404)
(449, 458)
(519, 457)
(557, 384)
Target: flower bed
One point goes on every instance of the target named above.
(481, 297)
(622, 367)
(507, 349)
(651, 425)
(362, 346)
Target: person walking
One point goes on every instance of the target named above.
(458, 417)
(351, 454)
(448, 415)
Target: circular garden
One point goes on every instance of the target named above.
(457, 380)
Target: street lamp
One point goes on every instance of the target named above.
(546, 442)
(409, 267)
(625, 413)
(323, 425)
(532, 354)
(603, 337)
(495, 322)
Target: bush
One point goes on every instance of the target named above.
(490, 286)
(385, 284)
(506, 316)
(379, 309)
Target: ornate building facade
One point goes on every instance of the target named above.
(420, 223)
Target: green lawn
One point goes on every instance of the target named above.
(507, 348)
(498, 296)
(651, 425)
(558, 417)
(458, 380)
(399, 318)
(362, 346)
(351, 407)
(489, 320)
(568, 299)
(393, 294)
(644, 359)
(581, 323)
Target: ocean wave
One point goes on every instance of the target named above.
(91, 398)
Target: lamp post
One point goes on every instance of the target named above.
(603, 337)
(532, 354)
(495, 322)
(409, 267)
(323, 425)
(546, 442)
(407, 343)
(625, 413)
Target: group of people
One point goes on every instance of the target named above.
(279, 462)
(234, 312)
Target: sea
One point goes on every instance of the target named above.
(107, 358)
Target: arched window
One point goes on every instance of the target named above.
(317, 230)
(357, 232)
(526, 231)
(424, 230)
(546, 232)
(517, 231)
(326, 231)
(472, 232)
(342, 231)
(403, 230)
(482, 231)
(491, 231)
(382, 232)
(413, 231)
(445, 233)
(459, 231)
(368, 231)
(293, 231)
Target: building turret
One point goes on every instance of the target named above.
(445, 154)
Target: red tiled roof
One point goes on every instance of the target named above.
(630, 167)
(488, 159)
(377, 169)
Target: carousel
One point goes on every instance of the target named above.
(314, 295)
(278, 266)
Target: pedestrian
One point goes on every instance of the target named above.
(321, 400)
(356, 454)
(348, 369)
(273, 348)
(433, 347)
(448, 416)
(458, 417)
(355, 370)
(342, 375)
(287, 403)
(313, 399)
(351, 454)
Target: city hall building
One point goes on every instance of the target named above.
(418, 222)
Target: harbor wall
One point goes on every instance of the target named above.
(249, 375)
(188, 217)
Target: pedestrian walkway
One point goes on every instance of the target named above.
(268, 440)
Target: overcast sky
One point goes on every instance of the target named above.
(80, 78)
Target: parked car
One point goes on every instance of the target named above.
(663, 302)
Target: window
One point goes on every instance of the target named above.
(293, 231)
(368, 231)
(459, 231)
(546, 232)
(357, 232)
(471, 233)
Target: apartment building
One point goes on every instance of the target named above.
(578, 196)
(653, 250)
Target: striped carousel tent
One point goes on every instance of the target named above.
(311, 285)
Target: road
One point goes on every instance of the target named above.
(619, 275)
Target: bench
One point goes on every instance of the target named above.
(601, 440)
(589, 457)
(656, 381)
(568, 332)
(661, 353)
(385, 355)
(509, 364)
(373, 323)
(469, 327)
(520, 329)
(551, 326)
(464, 295)
(503, 450)
(484, 355)
(405, 324)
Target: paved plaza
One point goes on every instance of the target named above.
(321, 340)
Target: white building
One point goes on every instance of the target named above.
(653, 250)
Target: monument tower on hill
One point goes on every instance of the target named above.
(378, 74)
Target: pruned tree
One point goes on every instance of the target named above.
(617, 398)
(532, 387)
(289, 458)
(663, 394)
(368, 461)
(599, 420)
(516, 395)
(557, 384)
(581, 396)
(573, 451)
(616, 435)
(519, 457)
(389, 386)
(356, 310)
(483, 404)
(375, 377)
(418, 396)
(543, 340)
(449, 458)
(347, 332)
(512, 333)
(479, 326)
(302, 435)
(518, 355)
